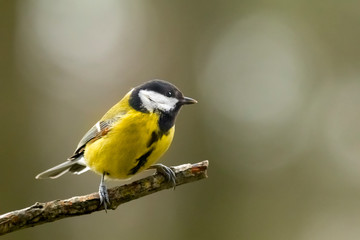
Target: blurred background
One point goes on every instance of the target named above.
(278, 85)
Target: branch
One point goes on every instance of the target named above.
(40, 213)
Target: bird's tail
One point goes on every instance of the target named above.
(75, 166)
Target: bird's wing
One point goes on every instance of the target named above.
(99, 130)
(102, 127)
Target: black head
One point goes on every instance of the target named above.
(161, 97)
(158, 95)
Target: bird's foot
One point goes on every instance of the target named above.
(168, 173)
(103, 194)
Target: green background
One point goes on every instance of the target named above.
(278, 85)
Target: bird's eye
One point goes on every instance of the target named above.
(169, 94)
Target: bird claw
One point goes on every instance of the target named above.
(104, 195)
(168, 173)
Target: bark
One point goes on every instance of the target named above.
(40, 213)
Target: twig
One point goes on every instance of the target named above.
(40, 213)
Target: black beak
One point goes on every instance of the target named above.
(187, 100)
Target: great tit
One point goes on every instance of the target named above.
(129, 138)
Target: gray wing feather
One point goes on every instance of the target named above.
(76, 163)
(96, 131)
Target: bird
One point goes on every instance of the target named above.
(130, 138)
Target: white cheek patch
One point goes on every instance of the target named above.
(152, 100)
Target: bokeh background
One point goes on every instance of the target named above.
(278, 85)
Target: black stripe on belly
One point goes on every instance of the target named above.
(154, 138)
(141, 162)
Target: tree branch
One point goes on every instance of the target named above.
(40, 213)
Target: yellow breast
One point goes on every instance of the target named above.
(133, 144)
